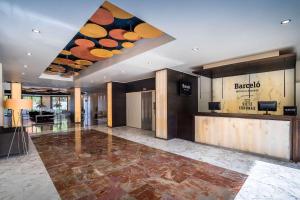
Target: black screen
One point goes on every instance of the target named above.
(267, 105)
(290, 110)
(185, 88)
(214, 105)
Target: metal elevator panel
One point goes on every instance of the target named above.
(146, 110)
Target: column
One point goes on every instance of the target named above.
(77, 101)
(16, 93)
(109, 104)
(1, 97)
(161, 104)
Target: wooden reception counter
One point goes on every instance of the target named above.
(271, 135)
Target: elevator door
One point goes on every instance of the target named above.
(147, 110)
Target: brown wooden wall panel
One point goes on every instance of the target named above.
(181, 109)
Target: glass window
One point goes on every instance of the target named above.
(36, 100)
(59, 103)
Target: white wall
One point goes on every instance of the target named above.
(1, 97)
(204, 93)
(133, 109)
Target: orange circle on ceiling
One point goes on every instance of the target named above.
(102, 53)
(84, 53)
(56, 68)
(108, 43)
(93, 31)
(63, 61)
(66, 52)
(83, 62)
(132, 36)
(117, 12)
(147, 31)
(102, 17)
(127, 44)
(85, 43)
(117, 34)
(116, 52)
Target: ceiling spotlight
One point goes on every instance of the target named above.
(25, 66)
(29, 54)
(286, 21)
(104, 77)
(23, 73)
(196, 49)
(36, 30)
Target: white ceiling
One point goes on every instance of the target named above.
(220, 29)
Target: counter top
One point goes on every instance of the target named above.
(249, 116)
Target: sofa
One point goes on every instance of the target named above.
(48, 116)
(6, 135)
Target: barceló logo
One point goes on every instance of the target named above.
(247, 85)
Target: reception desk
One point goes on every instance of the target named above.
(275, 136)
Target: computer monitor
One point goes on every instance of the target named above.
(267, 106)
(214, 106)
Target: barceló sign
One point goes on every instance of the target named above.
(247, 85)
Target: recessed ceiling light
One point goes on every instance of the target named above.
(104, 77)
(123, 71)
(286, 21)
(29, 54)
(196, 49)
(25, 66)
(36, 30)
(23, 73)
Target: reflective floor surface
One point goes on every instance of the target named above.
(88, 164)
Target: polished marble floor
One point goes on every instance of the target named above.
(88, 164)
(25, 177)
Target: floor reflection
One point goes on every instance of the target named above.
(93, 165)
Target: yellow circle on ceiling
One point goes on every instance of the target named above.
(102, 53)
(127, 44)
(93, 31)
(116, 52)
(133, 36)
(83, 62)
(117, 12)
(66, 52)
(147, 31)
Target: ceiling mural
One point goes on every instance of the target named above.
(106, 34)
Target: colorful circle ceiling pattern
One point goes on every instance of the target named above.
(102, 37)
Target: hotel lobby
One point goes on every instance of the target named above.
(147, 100)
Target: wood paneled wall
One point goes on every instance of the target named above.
(161, 104)
(175, 113)
(116, 104)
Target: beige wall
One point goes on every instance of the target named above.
(77, 100)
(204, 93)
(133, 109)
(1, 97)
(274, 86)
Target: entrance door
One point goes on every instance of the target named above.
(147, 110)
